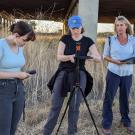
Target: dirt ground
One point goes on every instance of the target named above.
(35, 120)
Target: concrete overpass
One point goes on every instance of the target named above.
(91, 11)
(102, 11)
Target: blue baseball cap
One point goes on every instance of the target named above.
(74, 22)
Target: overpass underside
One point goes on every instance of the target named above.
(91, 11)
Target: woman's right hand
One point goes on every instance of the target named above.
(23, 75)
(72, 58)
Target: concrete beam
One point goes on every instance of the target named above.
(75, 10)
(111, 19)
(88, 10)
(70, 9)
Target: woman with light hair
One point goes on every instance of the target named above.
(117, 48)
(129, 29)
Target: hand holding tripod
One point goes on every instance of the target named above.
(77, 87)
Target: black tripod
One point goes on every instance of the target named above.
(76, 88)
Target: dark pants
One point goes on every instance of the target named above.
(57, 102)
(11, 105)
(114, 81)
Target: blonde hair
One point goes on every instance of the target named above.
(129, 29)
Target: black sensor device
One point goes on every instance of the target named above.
(32, 72)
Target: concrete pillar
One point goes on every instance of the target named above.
(88, 10)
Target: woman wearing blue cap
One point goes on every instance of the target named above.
(63, 80)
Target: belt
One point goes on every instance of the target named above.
(14, 80)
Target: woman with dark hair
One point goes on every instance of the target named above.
(11, 76)
(64, 78)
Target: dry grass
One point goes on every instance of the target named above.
(41, 55)
(35, 120)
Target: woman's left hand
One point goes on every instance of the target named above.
(95, 54)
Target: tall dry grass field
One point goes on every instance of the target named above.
(41, 55)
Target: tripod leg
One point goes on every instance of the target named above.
(70, 97)
(89, 111)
